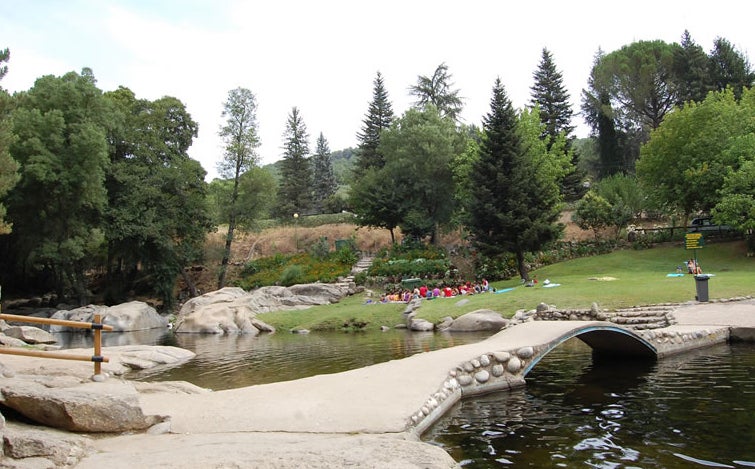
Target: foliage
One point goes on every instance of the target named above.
(379, 117)
(295, 190)
(729, 68)
(513, 209)
(157, 217)
(437, 91)
(240, 140)
(552, 98)
(57, 206)
(8, 166)
(687, 158)
(323, 177)
(415, 187)
(288, 270)
(593, 212)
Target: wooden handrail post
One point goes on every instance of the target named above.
(97, 326)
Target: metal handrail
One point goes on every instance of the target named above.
(96, 326)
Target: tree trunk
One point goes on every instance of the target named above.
(521, 266)
(190, 284)
(226, 252)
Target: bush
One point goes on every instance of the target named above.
(292, 275)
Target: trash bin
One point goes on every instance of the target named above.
(701, 287)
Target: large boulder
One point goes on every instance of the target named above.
(233, 310)
(31, 447)
(30, 335)
(131, 316)
(480, 320)
(112, 406)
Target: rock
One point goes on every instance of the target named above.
(480, 320)
(30, 335)
(11, 341)
(131, 316)
(233, 310)
(89, 407)
(47, 448)
(421, 325)
(542, 308)
(445, 323)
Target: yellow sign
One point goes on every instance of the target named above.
(694, 241)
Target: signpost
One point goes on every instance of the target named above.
(695, 241)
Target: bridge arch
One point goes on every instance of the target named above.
(605, 340)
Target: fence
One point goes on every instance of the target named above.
(96, 326)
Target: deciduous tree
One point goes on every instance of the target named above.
(8, 166)
(240, 140)
(58, 203)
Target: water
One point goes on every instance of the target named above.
(693, 410)
(233, 361)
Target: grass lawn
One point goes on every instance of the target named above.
(620, 279)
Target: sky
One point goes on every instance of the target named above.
(322, 56)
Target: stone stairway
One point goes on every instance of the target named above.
(641, 317)
(362, 265)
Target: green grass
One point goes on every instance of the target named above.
(640, 279)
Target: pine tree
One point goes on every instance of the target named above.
(295, 191)
(550, 95)
(437, 90)
(379, 117)
(325, 184)
(728, 67)
(510, 212)
(691, 71)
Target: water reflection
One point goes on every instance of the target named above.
(232, 361)
(693, 409)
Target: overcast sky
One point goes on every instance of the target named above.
(322, 55)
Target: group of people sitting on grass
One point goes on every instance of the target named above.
(427, 293)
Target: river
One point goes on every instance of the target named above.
(692, 410)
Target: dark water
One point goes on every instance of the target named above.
(694, 410)
(225, 362)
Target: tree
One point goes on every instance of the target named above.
(240, 140)
(643, 86)
(592, 212)
(57, 206)
(728, 67)
(437, 90)
(510, 212)
(551, 98)
(599, 115)
(157, 218)
(379, 117)
(737, 205)
(550, 95)
(685, 162)
(691, 64)
(325, 185)
(295, 190)
(8, 166)
(419, 149)
(414, 190)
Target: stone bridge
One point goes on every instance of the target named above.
(513, 352)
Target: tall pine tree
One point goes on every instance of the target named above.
(509, 211)
(379, 117)
(691, 69)
(438, 91)
(325, 184)
(550, 96)
(295, 190)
